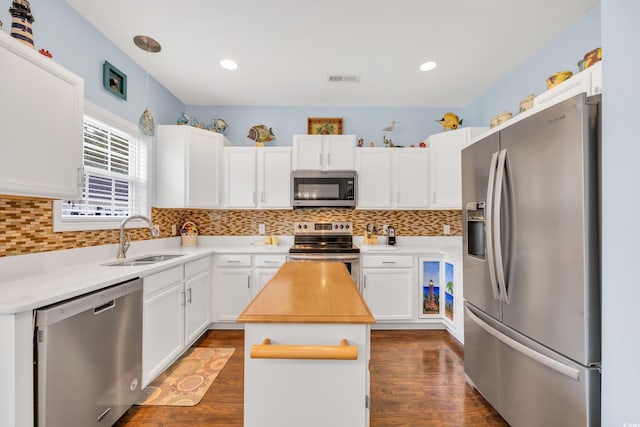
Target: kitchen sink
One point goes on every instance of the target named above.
(146, 260)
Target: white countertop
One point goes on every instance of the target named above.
(36, 280)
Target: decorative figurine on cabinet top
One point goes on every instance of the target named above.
(219, 126)
(183, 119)
(21, 20)
(450, 120)
(261, 134)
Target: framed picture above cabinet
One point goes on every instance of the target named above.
(324, 126)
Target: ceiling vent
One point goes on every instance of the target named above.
(344, 78)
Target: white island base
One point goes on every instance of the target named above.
(302, 392)
(307, 346)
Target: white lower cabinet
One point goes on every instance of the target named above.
(388, 286)
(197, 285)
(238, 279)
(233, 283)
(175, 313)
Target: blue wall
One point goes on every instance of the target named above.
(78, 46)
(620, 181)
(560, 55)
(367, 123)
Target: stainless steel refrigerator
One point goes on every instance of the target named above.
(531, 267)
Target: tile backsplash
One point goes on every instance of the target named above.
(26, 225)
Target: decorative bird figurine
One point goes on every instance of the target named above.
(450, 120)
(391, 127)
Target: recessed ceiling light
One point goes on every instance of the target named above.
(428, 66)
(229, 64)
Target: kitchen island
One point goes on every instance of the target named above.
(307, 348)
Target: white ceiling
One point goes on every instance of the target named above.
(286, 49)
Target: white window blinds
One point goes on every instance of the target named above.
(115, 174)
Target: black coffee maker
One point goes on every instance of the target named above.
(391, 235)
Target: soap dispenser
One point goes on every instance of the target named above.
(391, 236)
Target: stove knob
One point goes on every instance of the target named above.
(304, 226)
(341, 226)
(346, 226)
(335, 226)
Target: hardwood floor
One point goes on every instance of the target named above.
(417, 379)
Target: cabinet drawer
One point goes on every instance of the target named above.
(233, 260)
(270, 260)
(198, 266)
(161, 280)
(387, 261)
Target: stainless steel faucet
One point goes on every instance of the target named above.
(125, 242)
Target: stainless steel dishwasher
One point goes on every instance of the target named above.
(88, 357)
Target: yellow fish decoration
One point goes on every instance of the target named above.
(450, 120)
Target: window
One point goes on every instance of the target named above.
(115, 175)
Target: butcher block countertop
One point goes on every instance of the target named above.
(308, 292)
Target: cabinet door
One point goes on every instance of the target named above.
(234, 292)
(374, 178)
(262, 276)
(411, 178)
(41, 116)
(453, 298)
(446, 168)
(339, 152)
(388, 293)
(203, 186)
(431, 288)
(274, 178)
(307, 152)
(163, 330)
(240, 177)
(196, 316)
(189, 167)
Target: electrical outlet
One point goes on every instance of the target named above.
(261, 229)
(174, 229)
(385, 228)
(446, 229)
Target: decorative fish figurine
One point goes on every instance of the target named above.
(450, 120)
(261, 134)
(219, 126)
(183, 119)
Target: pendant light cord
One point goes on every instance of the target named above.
(147, 83)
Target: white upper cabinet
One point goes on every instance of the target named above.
(411, 177)
(393, 178)
(257, 177)
(446, 165)
(41, 117)
(324, 152)
(374, 178)
(189, 167)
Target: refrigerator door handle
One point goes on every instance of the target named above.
(489, 225)
(497, 222)
(560, 367)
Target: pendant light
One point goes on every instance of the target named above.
(146, 124)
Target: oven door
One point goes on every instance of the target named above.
(323, 189)
(351, 261)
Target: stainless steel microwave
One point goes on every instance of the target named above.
(323, 189)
